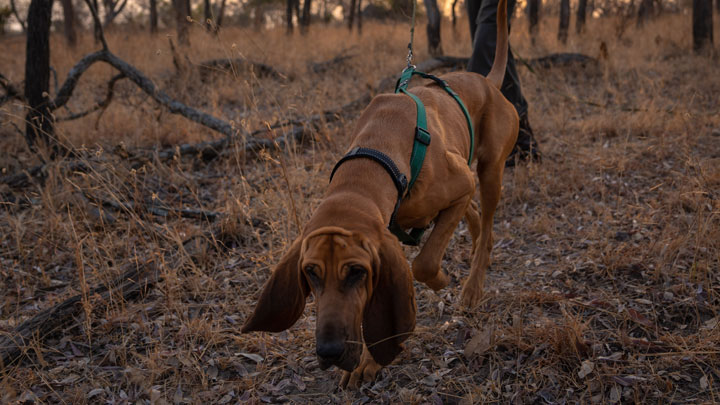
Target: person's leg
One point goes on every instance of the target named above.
(473, 6)
(481, 62)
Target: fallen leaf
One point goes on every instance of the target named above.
(95, 392)
(479, 343)
(703, 382)
(586, 368)
(252, 356)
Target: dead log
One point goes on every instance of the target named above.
(101, 105)
(144, 84)
(11, 91)
(562, 60)
(233, 66)
(133, 283)
(322, 67)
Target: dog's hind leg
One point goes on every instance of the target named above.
(472, 217)
(426, 266)
(490, 177)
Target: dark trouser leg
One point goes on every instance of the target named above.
(484, 50)
(484, 38)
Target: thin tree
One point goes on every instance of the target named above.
(454, 15)
(97, 28)
(533, 12)
(113, 8)
(39, 120)
(581, 13)
(207, 14)
(289, 16)
(645, 11)
(17, 16)
(69, 22)
(702, 24)
(351, 17)
(359, 16)
(564, 23)
(182, 12)
(153, 17)
(305, 20)
(433, 27)
(219, 14)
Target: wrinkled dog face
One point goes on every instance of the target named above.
(339, 268)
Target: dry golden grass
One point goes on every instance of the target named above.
(605, 283)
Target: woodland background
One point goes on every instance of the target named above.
(152, 174)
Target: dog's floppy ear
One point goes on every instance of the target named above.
(283, 298)
(390, 314)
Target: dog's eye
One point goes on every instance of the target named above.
(312, 274)
(356, 273)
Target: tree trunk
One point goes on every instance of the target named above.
(39, 121)
(702, 24)
(359, 16)
(454, 16)
(433, 28)
(305, 21)
(97, 29)
(69, 22)
(289, 16)
(219, 16)
(564, 21)
(182, 11)
(153, 17)
(581, 13)
(533, 12)
(351, 17)
(207, 14)
(645, 11)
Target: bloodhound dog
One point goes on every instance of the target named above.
(348, 259)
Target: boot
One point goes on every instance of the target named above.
(526, 147)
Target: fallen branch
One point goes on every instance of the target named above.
(233, 66)
(11, 92)
(102, 105)
(561, 59)
(161, 210)
(322, 67)
(144, 84)
(22, 179)
(297, 129)
(132, 283)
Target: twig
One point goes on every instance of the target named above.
(102, 105)
(98, 24)
(233, 65)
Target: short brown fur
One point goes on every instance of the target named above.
(349, 260)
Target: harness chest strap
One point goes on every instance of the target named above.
(417, 156)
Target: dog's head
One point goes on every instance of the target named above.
(363, 292)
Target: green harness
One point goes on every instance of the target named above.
(422, 140)
(417, 157)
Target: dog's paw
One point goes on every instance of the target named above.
(439, 282)
(471, 295)
(365, 372)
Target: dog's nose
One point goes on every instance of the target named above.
(330, 349)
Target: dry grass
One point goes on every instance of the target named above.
(605, 283)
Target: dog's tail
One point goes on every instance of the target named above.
(497, 72)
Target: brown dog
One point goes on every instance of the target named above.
(346, 256)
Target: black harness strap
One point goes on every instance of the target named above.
(399, 179)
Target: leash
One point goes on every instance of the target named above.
(412, 37)
(421, 142)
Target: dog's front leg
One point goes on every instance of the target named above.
(366, 371)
